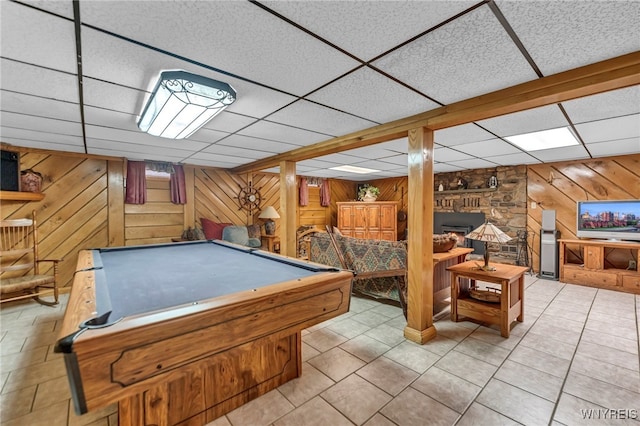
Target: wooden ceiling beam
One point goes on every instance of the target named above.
(616, 73)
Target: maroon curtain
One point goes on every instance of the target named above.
(136, 183)
(325, 193)
(304, 192)
(177, 185)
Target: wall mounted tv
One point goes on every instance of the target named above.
(609, 220)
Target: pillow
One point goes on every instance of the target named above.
(213, 230)
(254, 230)
(236, 235)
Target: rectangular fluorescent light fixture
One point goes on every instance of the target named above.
(545, 139)
(354, 169)
(182, 102)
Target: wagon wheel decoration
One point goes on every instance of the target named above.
(249, 198)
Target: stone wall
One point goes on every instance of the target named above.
(505, 206)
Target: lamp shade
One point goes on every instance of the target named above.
(269, 213)
(182, 102)
(488, 232)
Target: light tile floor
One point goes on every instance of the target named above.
(577, 350)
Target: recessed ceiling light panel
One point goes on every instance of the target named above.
(545, 139)
(354, 169)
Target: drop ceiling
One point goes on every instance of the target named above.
(309, 71)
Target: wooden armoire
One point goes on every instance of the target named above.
(377, 220)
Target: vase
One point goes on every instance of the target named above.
(369, 198)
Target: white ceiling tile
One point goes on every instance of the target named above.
(562, 35)
(617, 147)
(233, 151)
(374, 165)
(111, 135)
(433, 63)
(128, 149)
(559, 154)
(398, 145)
(354, 28)
(339, 158)
(604, 105)
(533, 120)
(40, 124)
(611, 129)
(7, 133)
(114, 97)
(233, 36)
(48, 40)
(514, 159)
(311, 116)
(229, 160)
(473, 163)
(37, 106)
(144, 67)
(53, 145)
(398, 160)
(448, 154)
(465, 133)
(445, 167)
(280, 132)
(32, 80)
(264, 145)
(368, 94)
(488, 148)
(228, 122)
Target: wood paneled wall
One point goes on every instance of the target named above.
(559, 186)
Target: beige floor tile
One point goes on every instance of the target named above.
(440, 345)
(388, 375)
(483, 351)
(567, 325)
(412, 356)
(356, 398)
(509, 401)
(547, 344)
(371, 319)
(493, 337)
(466, 367)
(220, 421)
(388, 310)
(531, 380)
(452, 330)
(17, 403)
(308, 352)
(34, 374)
(576, 411)
(379, 420)
(610, 355)
(348, 328)
(366, 348)
(619, 343)
(52, 392)
(309, 384)
(413, 408)
(540, 361)
(336, 363)
(479, 415)
(54, 415)
(316, 412)
(11, 344)
(553, 329)
(386, 334)
(23, 359)
(323, 339)
(606, 372)
(444, 387)
(261, 411)
(601, 393)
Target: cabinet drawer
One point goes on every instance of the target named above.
(607, 279)
(631, 282)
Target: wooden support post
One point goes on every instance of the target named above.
(115, 196)
(288, 203)
(190, 207)
(420, 328)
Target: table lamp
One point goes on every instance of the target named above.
(269, 213)
(488, 232)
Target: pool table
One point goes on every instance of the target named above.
(183, 333)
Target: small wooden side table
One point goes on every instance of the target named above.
(511, 306)
(271, 243)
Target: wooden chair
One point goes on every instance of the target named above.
(20, 276)
(401, 273)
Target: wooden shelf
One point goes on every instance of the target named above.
(464, 191)
(21, 196)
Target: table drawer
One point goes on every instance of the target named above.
(591, 277)
(631, 282)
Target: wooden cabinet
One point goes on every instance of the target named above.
(377, 220)
(604, 264)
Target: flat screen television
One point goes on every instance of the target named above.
(609, 220)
